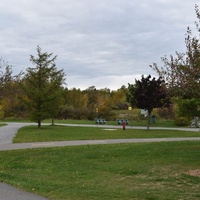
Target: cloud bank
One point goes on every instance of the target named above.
(99, 43)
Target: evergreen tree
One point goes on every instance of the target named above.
(43, 87)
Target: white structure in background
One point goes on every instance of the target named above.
(144, 112)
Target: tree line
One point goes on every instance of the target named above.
(40, 92)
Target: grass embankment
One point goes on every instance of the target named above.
(157, 171)
(61, 133)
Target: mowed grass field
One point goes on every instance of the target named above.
(159, 122)
(156, 171)
(143, 171)
(61, 133)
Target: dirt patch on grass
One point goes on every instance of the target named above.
(195, 172)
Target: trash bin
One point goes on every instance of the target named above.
(153, 119)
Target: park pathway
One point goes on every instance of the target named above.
(8, 132)
(8, 192)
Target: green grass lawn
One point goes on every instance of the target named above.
(61, 133)
(159, 123)
(2, 125)
(150, 171)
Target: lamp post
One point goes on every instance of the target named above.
(130, 108)
(97, 111)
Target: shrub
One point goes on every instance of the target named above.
(182, 121)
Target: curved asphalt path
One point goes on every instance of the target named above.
(7, 133)
(8, 192)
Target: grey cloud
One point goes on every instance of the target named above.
(95, 39)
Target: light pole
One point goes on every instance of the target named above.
(130, 108)
(97, 111)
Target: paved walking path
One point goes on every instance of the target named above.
(8, 192)
(7, 133)
(4, 147)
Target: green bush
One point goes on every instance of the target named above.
(182, 121)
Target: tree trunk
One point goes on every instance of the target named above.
(39, 124)
(52, 121)
(148, 119)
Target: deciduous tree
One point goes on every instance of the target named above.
(149, 94)
(182, 70)
(9, 90)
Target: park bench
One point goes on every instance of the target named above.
(100, 121)
(120, 121)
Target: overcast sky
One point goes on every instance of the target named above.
(101, 43)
